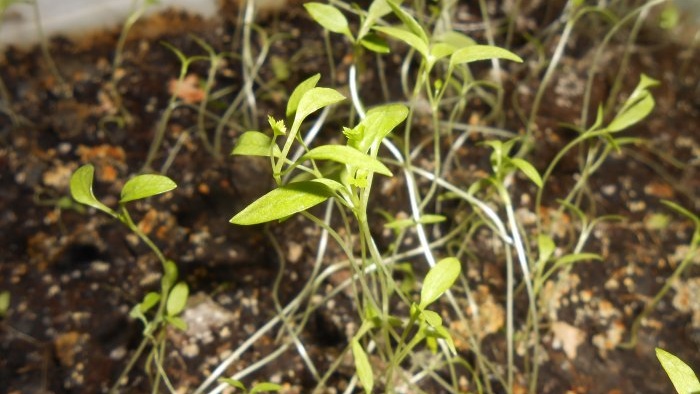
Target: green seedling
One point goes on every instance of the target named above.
(682, 376)
(257, 388)
(170, 301)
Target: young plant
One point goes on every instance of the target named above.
(170, 301)
(346, 176)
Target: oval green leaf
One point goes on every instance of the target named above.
(682, 376)
(329, 17)
(149, 301)
(362, 366)
(633, 113)
(475, 53)
(313, 100)
(349, 156)
(81, 189)
(375, 43)
(282, 202)
(265, 386)
(299, 92)
(147, 185)
(528, 169)
(407, 37)
(438, 280)
(177, 299)
(254, 143)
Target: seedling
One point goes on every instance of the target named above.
(171, 299)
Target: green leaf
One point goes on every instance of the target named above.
(149, 301)
(440, 50)
(406, 36)
(255, 143)
(177, 299)
(282, 202)
(147, 185)
(329, 17)
(576, 257)
(313, 100)
(177, 322)
(475, 53)
(409, 22)
(444, 334)
(299, 92)
(634, 113)
(4, 303)
(432, 318)
(169, 276)
(233, 383)
(378, 123)
(529, 170)
(81, 189)
(425, 219)
(348, 156)
(362, 366)
(375, 43)
(682, 376)
(456, 39)
(376, 10)
(265, 386)
(438, 280)
(546, 246)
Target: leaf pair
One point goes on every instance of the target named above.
(138, 187)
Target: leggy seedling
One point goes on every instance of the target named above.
(171, 299)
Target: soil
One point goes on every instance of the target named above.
(74, 274)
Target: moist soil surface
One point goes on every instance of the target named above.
(73, 274)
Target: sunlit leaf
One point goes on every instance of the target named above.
(255, 143)
(282, 202)
(147, 185)
(81, 189)
(576, 257)
(329, 17)
(169, 276)
(424, 219)
(233, 383)
(546, 246)
(475, 53)
(407, 37)
(177, 322)
(529, 170)
(315, 99)
(298, 93)
(349, 156)
(375, 43)
(265, 386)
(438, 280)
(432, 318)
(456, 39)
(408, 21)
(682, 376)
(149, 301)
(362, 366)
(177, 299)
(378, 123)
(440, 50)
(444, 334)
(634, 113)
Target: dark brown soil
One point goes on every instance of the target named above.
(74, 274)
